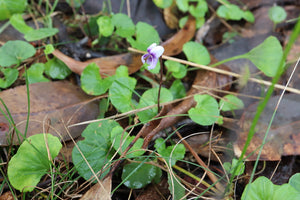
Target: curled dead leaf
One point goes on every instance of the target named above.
(109, 64)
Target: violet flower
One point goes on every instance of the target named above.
(151, 58)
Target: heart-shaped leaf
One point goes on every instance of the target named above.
(196, 53)
(31, 162)
(10, 76)
(120, 93)
(124, 25)
(145, 36)
(35, 73)
(206, 111)
(57, 69)
(95, 148)
(91, 81)
(231, 102)
(266, 56)
(8, 8)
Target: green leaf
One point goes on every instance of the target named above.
(266, 56)
(277, 14)
(121, 71)
(206, 111)
(14, 52)
(231, 102)
(31, 162)
(9, 7)
(261, 189)
(177, 191)
(199, 10)
(120, 138)
(286, 191)
(163, 3)
(145, 36)
(196, 53)
(49, 49)
(35, 73)
(96, 149)
(10, 76)
(106, 27)
(295, 181)
(183, 5)
(240, 169)
(248, 16)
(230, 12)
(137, 175)
(177, 89)
(150, 98)
(120, 93)
(18, 23)
(91, 81)
(57, 69)
(177, 69)
(183, 21)
(124, 25)
(172, 153)
(39, 34)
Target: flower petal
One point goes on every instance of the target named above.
(153, 63)
(157, 51)
(151, 47)
(144, 57)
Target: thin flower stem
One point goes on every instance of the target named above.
(220, 71)
(160, 83)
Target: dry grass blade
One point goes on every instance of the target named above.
(220, 71)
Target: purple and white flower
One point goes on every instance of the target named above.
(151, 58)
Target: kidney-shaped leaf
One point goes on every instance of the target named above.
(150, 98)
(14, 52)
(31, 162)
(121, 140)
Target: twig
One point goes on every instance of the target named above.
(160, 83)
(220, 71)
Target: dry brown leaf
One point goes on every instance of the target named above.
(170, 16)
(284, 136)
(7, 196)
(99, 192)
(109, 64)
(53, 106)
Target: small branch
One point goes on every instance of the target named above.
(220, 71)
(160, 83)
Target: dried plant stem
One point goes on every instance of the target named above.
(212, 177)
(220, 71)
(160, 83)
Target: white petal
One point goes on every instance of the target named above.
(153, 63)
(157, 51)
(151, 47)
